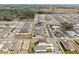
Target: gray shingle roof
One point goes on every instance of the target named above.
(24, 31)
(66, 45)
(41, 47)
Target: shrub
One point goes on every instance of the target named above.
(49, 50)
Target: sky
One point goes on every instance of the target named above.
(39, 1)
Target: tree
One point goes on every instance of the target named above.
(66, 26)
(49, 50)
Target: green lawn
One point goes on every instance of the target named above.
(12, 52)
(3, 52)
(71, 52)
(31, 48)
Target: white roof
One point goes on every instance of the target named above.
(71, 33)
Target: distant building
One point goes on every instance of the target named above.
(39, 17)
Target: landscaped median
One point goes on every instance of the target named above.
(10, 52)
(61, 47)
(4, 52)
(46, 32)
(33, 33)
(31, 48)
(65, 51)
